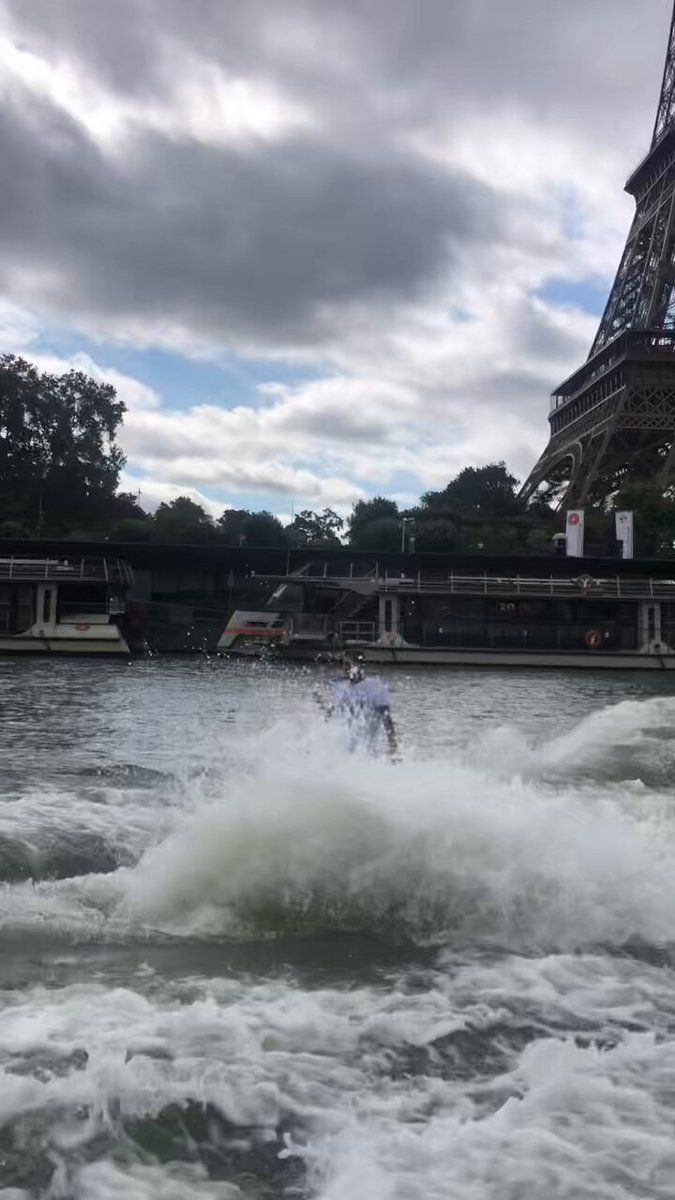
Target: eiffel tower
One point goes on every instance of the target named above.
(614, 418)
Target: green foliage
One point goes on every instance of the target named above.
(479, 510)
(125, 507)
(240, 527)
(364, 513)
(384, 533)
(653, 503)
(13, 529)
(231, 525)
(539, 540)
(59, 463)
(310, 528)
(264, 529)
(486, 491)
(129, 530)
(182, 520)
(433, 532)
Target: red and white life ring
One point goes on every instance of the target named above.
(593, 637)
(82, 628)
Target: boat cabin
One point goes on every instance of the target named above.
(613, 620)
(64, 605)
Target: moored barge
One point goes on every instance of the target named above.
(609, 621)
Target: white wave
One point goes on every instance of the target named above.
(44, 830)
(561, 1117)
(632, 740)
(428, 851)
(584, 1123)
(110, 1181)
(299, 836)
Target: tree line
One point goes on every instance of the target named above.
(60, 467)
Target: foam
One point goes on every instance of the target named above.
(305, 838)
(534, 1057)
(563, 1116)
(109, 1181)
(426, 851)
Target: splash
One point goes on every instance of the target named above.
(630, 742)
(431, 852)
(299, 837)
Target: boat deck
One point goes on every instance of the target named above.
(615, 587)
(65, 570)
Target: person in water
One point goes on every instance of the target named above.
(364, 704)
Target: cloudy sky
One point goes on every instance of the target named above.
(323, 250)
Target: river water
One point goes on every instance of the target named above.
(237, 960)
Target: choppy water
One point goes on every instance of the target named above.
(237, 961)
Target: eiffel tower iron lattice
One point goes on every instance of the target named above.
(614, 418)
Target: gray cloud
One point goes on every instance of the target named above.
(336, 237)
(269, 244)
(360, 57)
(224, 242)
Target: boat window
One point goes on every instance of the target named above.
(651, 623)
(387, 616)
(46, 605)
(16, 607)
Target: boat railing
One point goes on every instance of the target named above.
(307, 625)
(614, 587)
(622, 587)
(86, 570)
(357, 631)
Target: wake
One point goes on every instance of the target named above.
(563, 847)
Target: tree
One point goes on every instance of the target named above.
(182, 520)
(488, 491)
(59, 463)
(132, 530)
(264, 529)
(435, 532)
(653, 503)
(384, 533)
(311, 527)
(125, 507)
(364, 513)
(480, 510)
(239, 526)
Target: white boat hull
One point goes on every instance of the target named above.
(90, 638)
(442, 657)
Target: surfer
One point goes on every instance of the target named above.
(364, 704)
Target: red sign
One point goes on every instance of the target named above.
(573, 519)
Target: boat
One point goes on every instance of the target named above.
(610, 622)
(65, 606)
